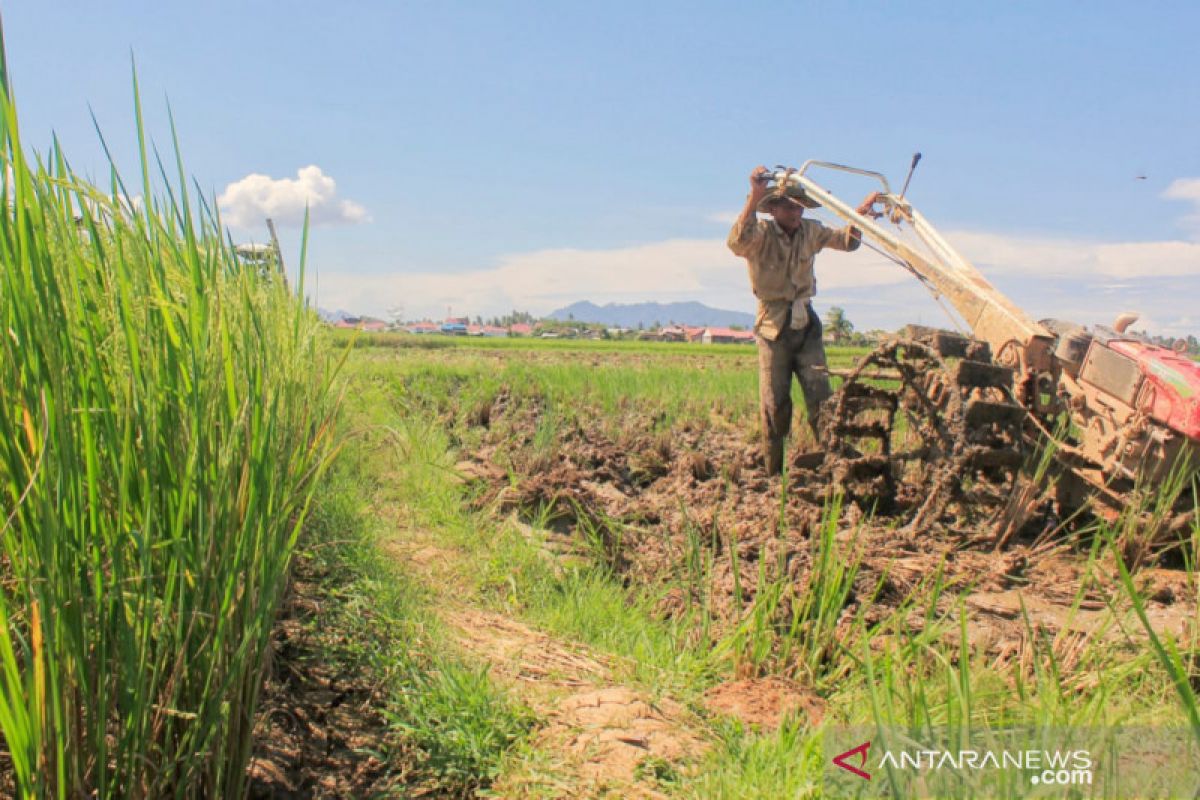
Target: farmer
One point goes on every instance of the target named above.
(779, 254)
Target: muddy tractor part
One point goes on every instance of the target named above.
(1123, 413)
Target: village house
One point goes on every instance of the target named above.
(486, 330)
(455, 326)
(727, 336)
(361, 324)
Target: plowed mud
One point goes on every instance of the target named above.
(651, 497)
(317, 728)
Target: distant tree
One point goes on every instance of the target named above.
(838, 326)
(515, 318)
(737, 327)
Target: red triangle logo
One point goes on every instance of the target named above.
(861, 752)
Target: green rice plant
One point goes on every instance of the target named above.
(937, 687)
(812, 637)
(1031, 488)
(698, 569)
(1152, 522)
(1169, 657)
(798, 628)
(603, 535)
(756, 636)
(164, 415)
(735, 568)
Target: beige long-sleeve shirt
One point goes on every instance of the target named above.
(781, 266)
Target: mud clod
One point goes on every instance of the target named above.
(765, 702)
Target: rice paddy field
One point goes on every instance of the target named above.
(244, 555)
(589, 526)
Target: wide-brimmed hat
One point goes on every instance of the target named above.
(787, 194)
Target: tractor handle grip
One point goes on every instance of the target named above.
(780, 175)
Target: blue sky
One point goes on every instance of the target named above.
(485, 156)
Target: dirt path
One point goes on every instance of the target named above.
(599, 737)
(602, 738)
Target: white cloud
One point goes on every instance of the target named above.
(247, 202)
(1188, 190)
(1048, 257)
(542, 280)
(1184, 189)
(1091, 281)
(723, 217)
(1074, 278)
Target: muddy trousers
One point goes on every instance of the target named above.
(796, 353)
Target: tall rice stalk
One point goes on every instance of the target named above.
(163, 417)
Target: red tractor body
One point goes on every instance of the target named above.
(1170, 386)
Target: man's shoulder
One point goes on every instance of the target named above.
(759, 227)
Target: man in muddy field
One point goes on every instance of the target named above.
(779, 253)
